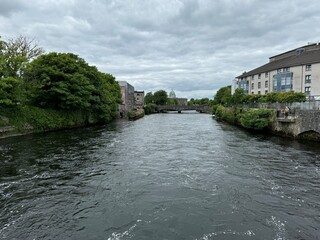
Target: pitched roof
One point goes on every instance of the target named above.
(307, 57)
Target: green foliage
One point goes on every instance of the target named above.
(226, 114)
(148, 98)
(223, 96)
(25, 118)
(257, 119)
(172, 101)
(150, 108)
(135, 114)
(280, 97)
(160, 97)
(202, 101)
(63, 81)
(17, 53)
(238, 97)
(9, 91)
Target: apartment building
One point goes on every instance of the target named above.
(296, 70)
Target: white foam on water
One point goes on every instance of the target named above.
(128, 233)
(213, 235)
(279, 227)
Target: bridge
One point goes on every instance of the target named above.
(180, 108)
(303, 124)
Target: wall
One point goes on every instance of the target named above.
(303, 124)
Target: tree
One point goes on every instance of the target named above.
(223, 95)
(160, 97)
(64, 81)
(148, 98)
(238, 97)
(9, 91)
(17, 53)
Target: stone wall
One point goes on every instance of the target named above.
(304, 124)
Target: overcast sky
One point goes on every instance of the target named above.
(194, 47)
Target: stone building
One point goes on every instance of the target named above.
(139, 99)
(127, 95)
(297, 70)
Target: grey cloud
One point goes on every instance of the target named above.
(7, 7)
(191, 46)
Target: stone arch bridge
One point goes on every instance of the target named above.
(303, 124)
(180, 108)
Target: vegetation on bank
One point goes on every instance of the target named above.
(230, 108)
(136, 114)
(257, 119)
(50, 91)
(225, 98)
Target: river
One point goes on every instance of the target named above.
(166, 176)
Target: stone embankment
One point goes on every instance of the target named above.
(302, 124)
(135, 114)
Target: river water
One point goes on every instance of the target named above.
(166, 176)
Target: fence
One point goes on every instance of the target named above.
(308, 105)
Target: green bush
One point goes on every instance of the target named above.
(38, 119)
(227, 114)
(150, 108)
(257, 119)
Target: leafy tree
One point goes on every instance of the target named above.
(9, 91)
(2, 58)
(202, 101)
(65, 81)
(148, 98)
(172, 101)
(17, 53)
(223, 96)
(238, 97)
(160, 97)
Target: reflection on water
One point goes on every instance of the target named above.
(166, 176)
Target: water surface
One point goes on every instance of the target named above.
(166, 176)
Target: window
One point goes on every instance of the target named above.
(259, 84)
(259, 75)
(282, 82)
(287, 69)
(259, 92)
(308, 67)
(252, 85)
(307, 90)
(252, 77)
(266, 91)
(266, 74)
(266, 83)
(279, 70)
(252, 92)
(308, 79)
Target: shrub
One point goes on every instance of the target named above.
(257, 119)
(150, 108)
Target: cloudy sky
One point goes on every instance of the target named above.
(191, 46)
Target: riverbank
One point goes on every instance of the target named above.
(302, 124)
(136, 114)
(23, 120)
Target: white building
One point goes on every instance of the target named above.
(297, 70)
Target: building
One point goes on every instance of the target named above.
(127, 95)
(178, 101)
(297, 70)
(139, 99)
